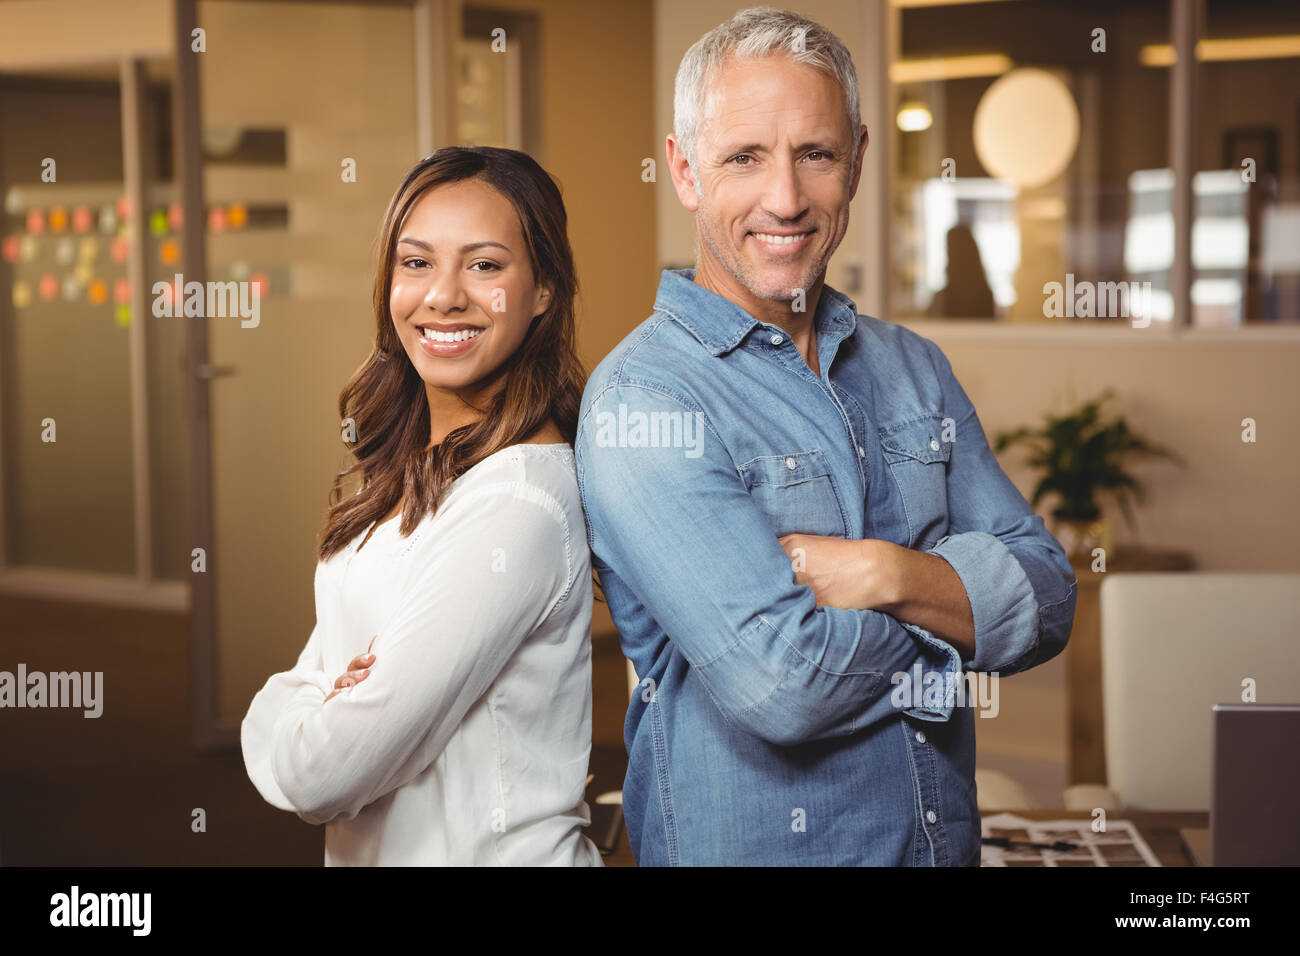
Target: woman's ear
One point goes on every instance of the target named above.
(541, 300)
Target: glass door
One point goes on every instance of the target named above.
(308, 124)
(92, 463)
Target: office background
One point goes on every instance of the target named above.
(230, 162)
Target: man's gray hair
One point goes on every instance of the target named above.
(754, 34)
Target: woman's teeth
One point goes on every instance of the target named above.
(460, 336)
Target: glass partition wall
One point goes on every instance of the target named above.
(1033, 178)
(164, 450)
(92, 413)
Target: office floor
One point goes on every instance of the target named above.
(122, 789)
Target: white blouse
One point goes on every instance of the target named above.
(468, 743)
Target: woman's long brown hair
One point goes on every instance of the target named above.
(385, 397)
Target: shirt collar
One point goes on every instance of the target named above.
(721, 325)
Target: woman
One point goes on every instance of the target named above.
(441, 710)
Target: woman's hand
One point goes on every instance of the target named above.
(357, 671)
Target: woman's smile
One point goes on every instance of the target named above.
(456, 341)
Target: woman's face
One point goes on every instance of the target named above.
(463, 292)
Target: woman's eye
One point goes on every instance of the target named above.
(491, 266)
(414, 263)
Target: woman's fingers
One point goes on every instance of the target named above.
(358, 670)
(361, 662)
(364, 660)
(347, 680)
(351, 678)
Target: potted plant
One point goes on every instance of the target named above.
(1082, 455)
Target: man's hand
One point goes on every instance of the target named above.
(845, 573)
(872, 575)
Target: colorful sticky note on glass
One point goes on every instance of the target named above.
(81, 219)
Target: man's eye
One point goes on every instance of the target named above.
(744, 156)
(819, 154)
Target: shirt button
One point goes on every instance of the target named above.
(791, 464)
(934, 445)
(930, 816)
(920, 736)
(776, 339)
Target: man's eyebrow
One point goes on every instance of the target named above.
(745, 148)
(468, 247)
(826, 146)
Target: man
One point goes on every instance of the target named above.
(793, 510)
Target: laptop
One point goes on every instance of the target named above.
(1254, 805)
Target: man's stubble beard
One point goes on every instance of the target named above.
(740, 271)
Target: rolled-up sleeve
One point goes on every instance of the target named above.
(500, 563)
(1020, 584)
(679, 528)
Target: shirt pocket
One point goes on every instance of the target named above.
(796, 493)
(917, 457)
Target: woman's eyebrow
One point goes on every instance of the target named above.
(468, 247)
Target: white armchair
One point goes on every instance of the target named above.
(1173, 646)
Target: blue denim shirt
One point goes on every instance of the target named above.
(766, 730)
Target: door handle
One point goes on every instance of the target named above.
(215, 371)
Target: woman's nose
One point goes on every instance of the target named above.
(445, 293)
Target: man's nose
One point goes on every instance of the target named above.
(783, 195)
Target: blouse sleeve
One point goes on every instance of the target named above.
(308, 680)
(490, 571)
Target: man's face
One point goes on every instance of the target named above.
(773, 157)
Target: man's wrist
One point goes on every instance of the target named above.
(884, 564)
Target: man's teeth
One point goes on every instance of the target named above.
(779, 240)
(460, 336)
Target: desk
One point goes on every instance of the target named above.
(1158, 828)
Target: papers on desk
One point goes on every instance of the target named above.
(1120, 845)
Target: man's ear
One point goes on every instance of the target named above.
(857, 167)
(680, 170)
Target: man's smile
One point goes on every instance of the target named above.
(782, 243)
